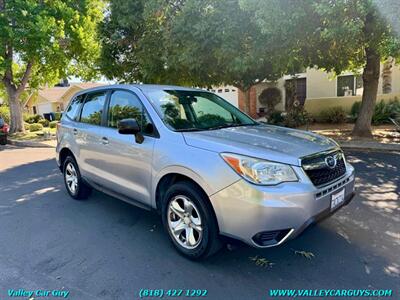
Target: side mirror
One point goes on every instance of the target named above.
(130, 126)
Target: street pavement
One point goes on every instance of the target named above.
(104, 248)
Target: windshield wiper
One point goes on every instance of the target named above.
(230, 125)
(188, 129)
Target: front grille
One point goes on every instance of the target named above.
(318, 170)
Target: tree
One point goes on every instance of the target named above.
(42, 41)
(189, 42)
(337, 36)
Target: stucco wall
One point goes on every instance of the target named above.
(320, 84)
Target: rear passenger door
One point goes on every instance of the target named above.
(128, 164)
(89, 133)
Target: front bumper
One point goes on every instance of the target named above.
(264, 216)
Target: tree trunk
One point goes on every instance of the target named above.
(370, 76)
(16, 117)
(14, 92)
(387, 76)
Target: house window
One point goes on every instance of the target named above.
(226, 90)
(220, 91)
(349, 85)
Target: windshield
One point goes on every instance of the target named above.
(196, 110)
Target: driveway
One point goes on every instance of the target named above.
(103, 248)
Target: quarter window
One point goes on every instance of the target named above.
(125, 105)
(73, 108)
(93, 108)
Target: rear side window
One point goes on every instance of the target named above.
(93, 108)
(125, 105)
(73, 108)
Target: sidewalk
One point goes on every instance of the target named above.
(34, 143)
(369, 146)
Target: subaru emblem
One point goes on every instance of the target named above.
(330, 161)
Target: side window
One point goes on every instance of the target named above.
(73, 108)
(125, 105)
(93, 108)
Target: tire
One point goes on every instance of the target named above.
(81, 190)
(201, 243)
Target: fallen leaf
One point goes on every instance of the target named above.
(306, 254)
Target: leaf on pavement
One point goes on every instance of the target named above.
(306, 254)
(261, 261)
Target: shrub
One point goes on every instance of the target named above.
(355, 109)
(32, 118)
(5, 113)
(35, 127)
(276, 118)
(53, 124)
(334, 115)
(298, 116)
(270, 97)
(44, 122)
(26, 126)
(382, 111)
(57, 116)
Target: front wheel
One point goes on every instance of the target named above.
(189, 220)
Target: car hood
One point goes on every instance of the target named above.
(269, 142)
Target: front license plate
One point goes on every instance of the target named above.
(337, 199)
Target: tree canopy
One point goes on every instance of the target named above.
(43, 41)
(336, 36)
(189, 42)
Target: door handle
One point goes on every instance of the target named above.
(104, 140)
(75, 131)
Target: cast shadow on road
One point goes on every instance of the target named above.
(343, 245)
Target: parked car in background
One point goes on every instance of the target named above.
(4, 128)
(208, 169)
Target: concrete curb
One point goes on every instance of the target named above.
(33, 144)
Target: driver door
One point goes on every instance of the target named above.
(128, 164)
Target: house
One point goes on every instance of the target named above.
(316, 89)
(55, 99)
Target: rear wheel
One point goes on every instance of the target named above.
(189, 220)
(76, 188)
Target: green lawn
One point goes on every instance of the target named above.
(36, 135)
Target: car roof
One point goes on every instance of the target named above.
(143, 87)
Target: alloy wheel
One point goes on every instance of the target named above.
(184, 222)
(71, 178)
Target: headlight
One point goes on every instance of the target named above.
(259, 171)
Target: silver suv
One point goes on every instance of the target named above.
(206, 167)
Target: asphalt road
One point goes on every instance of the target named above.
(106, 249)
